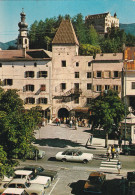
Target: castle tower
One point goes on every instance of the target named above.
(23, 41)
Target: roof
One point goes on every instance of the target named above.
(17, 55)
(13, 191)
(65, 34)
(95, 15)
(23, 172)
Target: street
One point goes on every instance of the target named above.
(71, 175)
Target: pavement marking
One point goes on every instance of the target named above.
(54, 186)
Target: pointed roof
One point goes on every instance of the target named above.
(65, 34)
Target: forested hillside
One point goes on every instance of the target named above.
(41, 34)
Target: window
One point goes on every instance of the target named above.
(115, 87)
(76, 100)
(63, 86)
(107, 87)
(88, 74)
(29, 74)
(43, 74)
(89, 86)
(133, 85)
(76, 74)
(63, 63)
(25, 41)
(88, 100)
(116, 74)
(77, 63)
(20, 41)
(42, 100)
(29, 87)
(35, 64)
(98, 87)
(89, 64)
(0, 64)
(42, 87)
(107, 74)
(98, 74)
(30, 100)
(8, 82)
(76, 86)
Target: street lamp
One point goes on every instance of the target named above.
(126, 98)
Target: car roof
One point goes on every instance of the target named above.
(23, 172)
(98, 174)
(13, 191)
(18, 181)
(72, 150)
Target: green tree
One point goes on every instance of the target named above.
(16, 127)
(87, 49)
(107, 112)
(92, 36)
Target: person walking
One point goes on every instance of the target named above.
(70, 123)
(118, 166)
(112, 151)
(91, 138)
(117, 152)
(109, 153)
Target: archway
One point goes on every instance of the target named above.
(63, 113)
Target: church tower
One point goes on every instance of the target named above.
(23, 41)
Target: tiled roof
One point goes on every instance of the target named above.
(17, 55)
(96, 15)
(65, 34)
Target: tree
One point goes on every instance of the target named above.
(107, 112)
(16, 128)
(87, 49)
(92, 36)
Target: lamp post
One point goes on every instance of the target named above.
(126, 98)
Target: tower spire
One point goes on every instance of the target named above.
(23, 41)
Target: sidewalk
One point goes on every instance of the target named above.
(70, 137)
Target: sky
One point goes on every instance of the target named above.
(41, 9)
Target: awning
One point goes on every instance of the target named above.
(29, 106)
(81, 109)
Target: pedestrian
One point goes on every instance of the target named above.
(76, 125)
(112, 151)
(118, 166)
(117, 152)
(70, 123)
(57, 121)
(91, 137)
(109, 153)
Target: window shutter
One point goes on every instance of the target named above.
(102, 87)
(94, 88)
(95, 74)
(119, 88)
(112, 74)
(119, 74)
(102, 74)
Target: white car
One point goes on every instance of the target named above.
(36, 189)
(23, 174)
(42, 180)
(74, 155)
(15, 191)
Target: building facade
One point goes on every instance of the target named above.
(78, 79)
(61, 82)
(102, 22)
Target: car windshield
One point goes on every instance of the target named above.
(40, 169)
(27, 184)
(95, 180)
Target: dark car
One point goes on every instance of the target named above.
(95, 183)
(129, 149)
(131, 179)
(39, 170)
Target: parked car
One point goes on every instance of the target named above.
(29, 176)
(2, 186)
(95, 182)
(128, 149)
(74, 155)
(35, 189)
(39, 170)
(33, 154)
(23, 174)
(131, 179)
(15, 191)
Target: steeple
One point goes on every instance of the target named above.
(23, 41)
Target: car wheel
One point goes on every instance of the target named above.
(64, 159)
(85, 161)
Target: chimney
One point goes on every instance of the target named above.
(24, 52)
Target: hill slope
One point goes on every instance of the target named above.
(128, 28)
